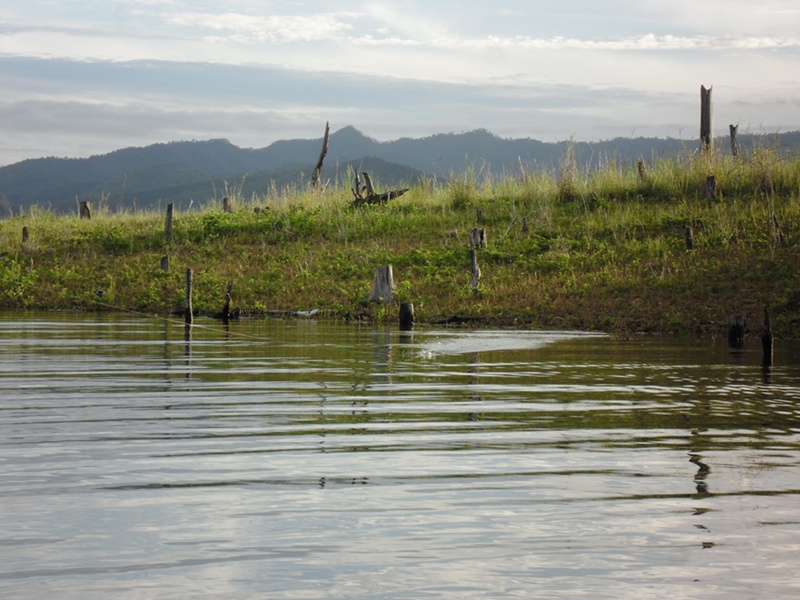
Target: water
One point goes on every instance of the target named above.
(283, 459)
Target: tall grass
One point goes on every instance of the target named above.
(569, 247)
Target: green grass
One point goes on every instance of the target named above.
(599, 250)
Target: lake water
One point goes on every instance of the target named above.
(302, 459)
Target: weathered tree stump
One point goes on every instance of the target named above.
(736, 331)
(476, 270)
(734, 144)
(86, 210)
(641, 167)
(689, 238)
(711, 187)
(383, 288)
(226, 308)
(187, 312)
(477, 237)
(168, 221)
(406, 316)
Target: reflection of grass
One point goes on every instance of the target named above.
(595, 250)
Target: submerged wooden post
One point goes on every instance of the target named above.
(734, 144)
(406, 316)
(766, 340)
(165, 262)
(25, 234)
(736, 332)
(226, 308)
(86, 210)
(383, 288)
(706, 139)
(168, 223)
(476, 270)
(188, 316)
(477, 237)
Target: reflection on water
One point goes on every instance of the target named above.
(142, 459)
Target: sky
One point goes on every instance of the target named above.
(86, 77)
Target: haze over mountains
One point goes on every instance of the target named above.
(197, 171)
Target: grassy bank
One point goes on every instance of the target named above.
(601, 250)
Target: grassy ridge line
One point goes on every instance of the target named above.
(603, 250)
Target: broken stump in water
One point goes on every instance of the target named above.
(406, 316)
(736, 332)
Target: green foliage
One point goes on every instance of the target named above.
(571, 248)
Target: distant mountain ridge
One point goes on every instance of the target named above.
(198, 170)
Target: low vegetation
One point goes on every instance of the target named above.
(601, 249)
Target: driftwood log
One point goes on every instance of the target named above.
(365, 193)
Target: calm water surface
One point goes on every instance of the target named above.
(282, 459)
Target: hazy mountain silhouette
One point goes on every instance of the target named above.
(199, 170)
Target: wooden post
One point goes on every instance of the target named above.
(766, 340)
(736, 332)
(525, 228)
(476, 270)
(711, 187)
(189, 317)
(383, 289)
(168, 223)
(227, 205)
(734, 144)
(479, 216)
(25, 234)
(706, 138)
(86, 210)
(406, 316)
(226, 309)
(477, 237)
(689, 238)
(165, 262)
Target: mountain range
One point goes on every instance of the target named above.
(197, 171)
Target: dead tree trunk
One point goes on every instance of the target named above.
(383, 288)
(477, 237)
(766, 340)
(366, 194)
(476, 270)
(406, 316)
(706, 138)
(168, 221)
(711, 187)
(315, 177)
(736, 332)
(187, 311)
(734, 144)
